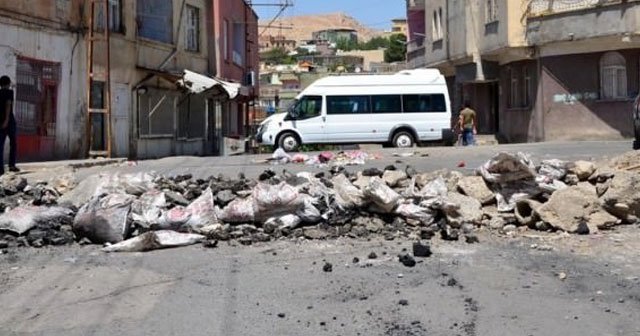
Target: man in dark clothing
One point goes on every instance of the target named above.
(7, 124)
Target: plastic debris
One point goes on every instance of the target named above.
(24, 218)
(154, 240)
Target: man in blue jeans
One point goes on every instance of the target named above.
(467, 123)
(7, 124)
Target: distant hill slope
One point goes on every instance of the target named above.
(305, 25)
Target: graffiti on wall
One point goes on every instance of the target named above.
(574, 98)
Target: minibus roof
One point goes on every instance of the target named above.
(405, 77)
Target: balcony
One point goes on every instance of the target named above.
(577, 22)
(548, 7)
(416, 54)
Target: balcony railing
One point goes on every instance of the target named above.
(546, 7)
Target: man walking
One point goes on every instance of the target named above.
(7, 124)
(467, 124)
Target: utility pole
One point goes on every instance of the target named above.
(282, 5)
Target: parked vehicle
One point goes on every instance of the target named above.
(401, 109)
(636, 123)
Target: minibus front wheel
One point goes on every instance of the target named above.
(289, 142)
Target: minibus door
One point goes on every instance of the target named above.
(306, 118)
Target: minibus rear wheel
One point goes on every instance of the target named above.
(403, 139)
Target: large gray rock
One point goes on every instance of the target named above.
(622, 198)
(393, 177)
(461, 209)
(474, 186)
(582, 169)
(572, 208)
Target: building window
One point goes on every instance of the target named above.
(526, 88)
(115, 16)
(436, 25)
(192, 29)
(192, 117)
(36, 97)
(156, 113)
(613, 76)
(155, 20)
(239, 39)
(225, 39)
(491, 11)
(513, 89)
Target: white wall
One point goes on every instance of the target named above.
(57, 47)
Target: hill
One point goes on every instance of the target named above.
(304, 25)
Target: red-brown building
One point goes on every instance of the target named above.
(235, 27)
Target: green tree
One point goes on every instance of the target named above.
(397, 50)
(374, 43)
(346, 44)
(277, 56)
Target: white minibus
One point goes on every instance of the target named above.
(401, 109)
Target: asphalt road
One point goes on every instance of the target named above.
(498, 287)
(575, 286)
(424, 159)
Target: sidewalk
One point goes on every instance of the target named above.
(73, 164)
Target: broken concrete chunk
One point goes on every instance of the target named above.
(525, 212)
(622, 198)
(582, 169)
(393, 177)
(380, 194)
(474, 186)
(461, 209)
(507, 167)
(572, 208)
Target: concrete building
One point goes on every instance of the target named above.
(237, 60)
(369, 57)
(534, 70)
(398, 26)
(155, 110)
(336, 34)
(269, 42)
(41, 50)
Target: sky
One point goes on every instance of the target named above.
(376, 14)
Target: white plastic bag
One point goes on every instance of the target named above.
(413, 211)
(240, 210)
(104, 220)
(154, 240)
(379, 193)
(347, 195)
(23, 218)
(506, 167)
(201, 211)
(275, 200)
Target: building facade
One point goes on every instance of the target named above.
(41, 50)
(335, 35)
(237, 60)
(154, 110)
(534, 70)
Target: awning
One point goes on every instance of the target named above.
(197, 83)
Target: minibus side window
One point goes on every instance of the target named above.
(386, 104)
(424, 103)
(348, 104)
(308, 107)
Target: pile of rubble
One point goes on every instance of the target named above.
(144, 211)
